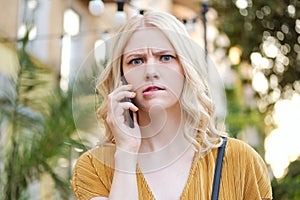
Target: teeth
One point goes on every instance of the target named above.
(153, 89)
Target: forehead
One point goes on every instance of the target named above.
(148, 37)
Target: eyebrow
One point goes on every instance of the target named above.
(159, 52)
(135, 54)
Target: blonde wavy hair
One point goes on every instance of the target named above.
(196, 101)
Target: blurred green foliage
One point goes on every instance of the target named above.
(288, 187)
(248, 26)
(38, 128)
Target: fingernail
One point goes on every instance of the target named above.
(133, 94)
(129, 85)
(136, 108)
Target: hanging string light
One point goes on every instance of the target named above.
(120, 16)
(96, 7)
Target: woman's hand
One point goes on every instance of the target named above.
(127, 138)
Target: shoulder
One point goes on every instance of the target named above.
(238, 147)
(241, 153)
(94, 164)
(93, 172)
(100, 155)
(237, 144)
(248, 166)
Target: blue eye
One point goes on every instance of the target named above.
(166, 58)
(136, 61)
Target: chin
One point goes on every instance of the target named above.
(159, 107)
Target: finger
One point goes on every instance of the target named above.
(116, 118)
(123, 88)
(121, 92)
(123, 95)
(117, 112)
(128, 106)
(114, 98)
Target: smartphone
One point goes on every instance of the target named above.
(130, 113)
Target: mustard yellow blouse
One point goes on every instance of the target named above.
(244, 175)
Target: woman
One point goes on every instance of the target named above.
(158, 115)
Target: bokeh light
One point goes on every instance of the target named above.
(282, 143)
(241, 4)
(270, 48)
(260, 82)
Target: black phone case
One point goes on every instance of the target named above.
(130, 113)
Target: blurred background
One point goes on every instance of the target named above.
(51, 52)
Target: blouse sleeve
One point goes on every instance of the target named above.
(257, 181)
(91, 178)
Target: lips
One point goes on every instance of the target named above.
(151, 89)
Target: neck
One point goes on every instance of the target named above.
(160, 128)
(163, 141)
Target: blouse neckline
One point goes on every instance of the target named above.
(186, 186)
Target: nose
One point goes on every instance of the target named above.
(151, 72)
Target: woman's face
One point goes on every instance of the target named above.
(151, 65)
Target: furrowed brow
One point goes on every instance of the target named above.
(161, 52)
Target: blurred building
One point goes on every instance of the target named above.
(64, 32)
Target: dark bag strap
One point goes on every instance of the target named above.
(218, 170)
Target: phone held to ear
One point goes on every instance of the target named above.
(129, 114)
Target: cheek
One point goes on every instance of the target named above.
(135, 77)
(176, 86)
(174, 79)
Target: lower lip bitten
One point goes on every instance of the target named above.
(150, 92)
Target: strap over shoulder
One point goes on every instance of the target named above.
(218, 170)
